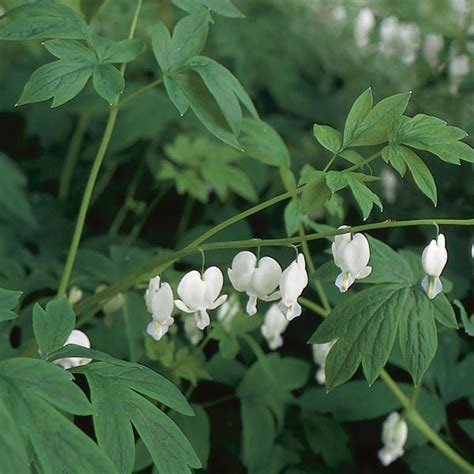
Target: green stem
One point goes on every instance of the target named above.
(86, 198)
(313, 306)
(72, 156)
(330, 162)
(140, 91)
(122, 212)
(160, 264)
(317, 284)
(417, 420)
(183, 223)
(365, 162)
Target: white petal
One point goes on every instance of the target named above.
(355, 255)
(192, 290)
(202, 319)
(293, 281)
(344, 281)
(251, 307)
(434, 257)
(321, 376)
(80, 339)
(182, 307)
(275, 342)
(156, 330)
(272, 297)
(266, 277)
(364, 273)
(432, 286)
(213, 281)
(162, 303)
(221, 300)
(243, 266)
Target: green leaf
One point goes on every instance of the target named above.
(45, 19)
(53, 325)
(161, 45)
(328, 137)
(444, 312)
(174, 86)
(315, 194)
(418, 334)
(467, 322)
(352, 157)
(428, 459)
(189, 38)
(28, 389)
(325, 436)
(359, 110)
(108, 82)
(13, 193)
(221, 7)
(376, 125)
(197, 429)
(363, 195)
(394, 154)
(60, 80)
(292, 217)
(468, 427)
(117, 406)
(263, 143)
(8, 302)
(110, 52)
(365, 327)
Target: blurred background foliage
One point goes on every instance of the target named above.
(166, 179)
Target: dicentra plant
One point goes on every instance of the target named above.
(394, 308)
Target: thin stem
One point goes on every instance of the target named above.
(217, 401)
(418, 421)
(317, 284)
(86, 198)
(72, 156)
(183, 223)
(365, 162)
(313, 306)
(122, 213)
(162, 263)
(139, 92)
(330, 162)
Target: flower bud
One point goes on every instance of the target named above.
(394, 437)
(159, 302)
(273, 327)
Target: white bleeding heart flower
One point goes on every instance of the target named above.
(80, 339)
(201, 293)
(394, 437)
(75, 295)
(434, 260)
(274, 326)
(320, 353)
(192, 332)
(259, 279)
(364, 24)
(292, 283)
(351, 254)
(227, 312)
(159, 302)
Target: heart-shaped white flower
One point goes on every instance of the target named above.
(159, 302)
(258, 279)
(434, 260)
(292, 283)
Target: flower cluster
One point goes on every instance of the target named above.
(259, 278)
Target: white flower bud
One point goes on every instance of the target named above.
(320, 353)
(434, 260)
(351, 255)
(273, 327)
(192, 332)
(199, 294)
(394, 437)
(159, 302)
(75, 295)
(80, 339)
(292, 283)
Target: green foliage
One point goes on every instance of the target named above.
(366, 324)
(8, 302)
(221, 7)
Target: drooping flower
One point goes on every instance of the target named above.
(364, 24)
(458, 69)
(274, 326)
(351, 254)
(258, 279)
(159, 302)
(394, 436)
(434, 259)
(75, 295)
(192, 332)
(227, 312)
(113, 304)
(432, 46)
(399, 39)
(320, 353)
(200, 293)
(79, 338)
(292, 283)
